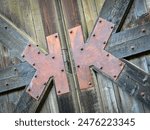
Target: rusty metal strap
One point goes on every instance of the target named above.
(92, 53)
(47, 66)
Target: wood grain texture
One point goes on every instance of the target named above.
(130, 42)
(26, 16)
(15, 77)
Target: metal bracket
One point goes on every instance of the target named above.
(92, 53)
(47, 66)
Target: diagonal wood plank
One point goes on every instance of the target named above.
(15, 77)
(13, 38)
(130, 42)
(116, 11)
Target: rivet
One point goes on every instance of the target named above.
(94, 35)
(81, 49)
(71, 32)
(78, 66)
(107, 55)
(33, 64)
(62, 70)
(115, 76)
(101, 68)
(120, 64)
(59, 91)
(100, 21)
(15, 69)
(143, 30)
(7, 84)
(53, 57)
(132, 47)
(142, 94)
(39, 52)
(112, 27)
(56, 36)
(29, 45)
(104, 42)
(90, 83)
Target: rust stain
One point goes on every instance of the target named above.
(46, 66)
(92, 53)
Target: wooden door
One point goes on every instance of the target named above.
(41, 19)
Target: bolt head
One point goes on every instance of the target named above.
(143, 30)
(142, 94)
(94, 35)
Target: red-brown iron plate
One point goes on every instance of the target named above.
(92, 53)
(46, 66)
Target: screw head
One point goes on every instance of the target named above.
(59, 91)
(56, 36)
(7, 84)
(53, 57)
(71, 32)
(35, 76)
(94, 35)
(29, 90)
(23, 56)
(142, 94)
(115, 76)
(143, 30)
(62, 70)
(33, 64)
(101, 67)
(15, 69)
(78, 66)
(120, 64)
(39, 52)
(100, 21)
(132, 47)
(104, 42)
(107, 55)
(29, 45)
(112, 27)
(37, 45)
(81, 49)
(90, 83)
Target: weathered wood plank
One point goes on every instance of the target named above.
(12, 38)
(116, 11)
(37, 23)
(15, 77)
(130, 42)
(28, 104)
(140, 8)
(135, 82)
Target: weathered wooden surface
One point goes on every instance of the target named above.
(28, 104)
(15, 77)
(61, 15)
(25, 14)
(130, 42)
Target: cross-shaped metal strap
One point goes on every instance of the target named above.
(47, 66)
(92, 53)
